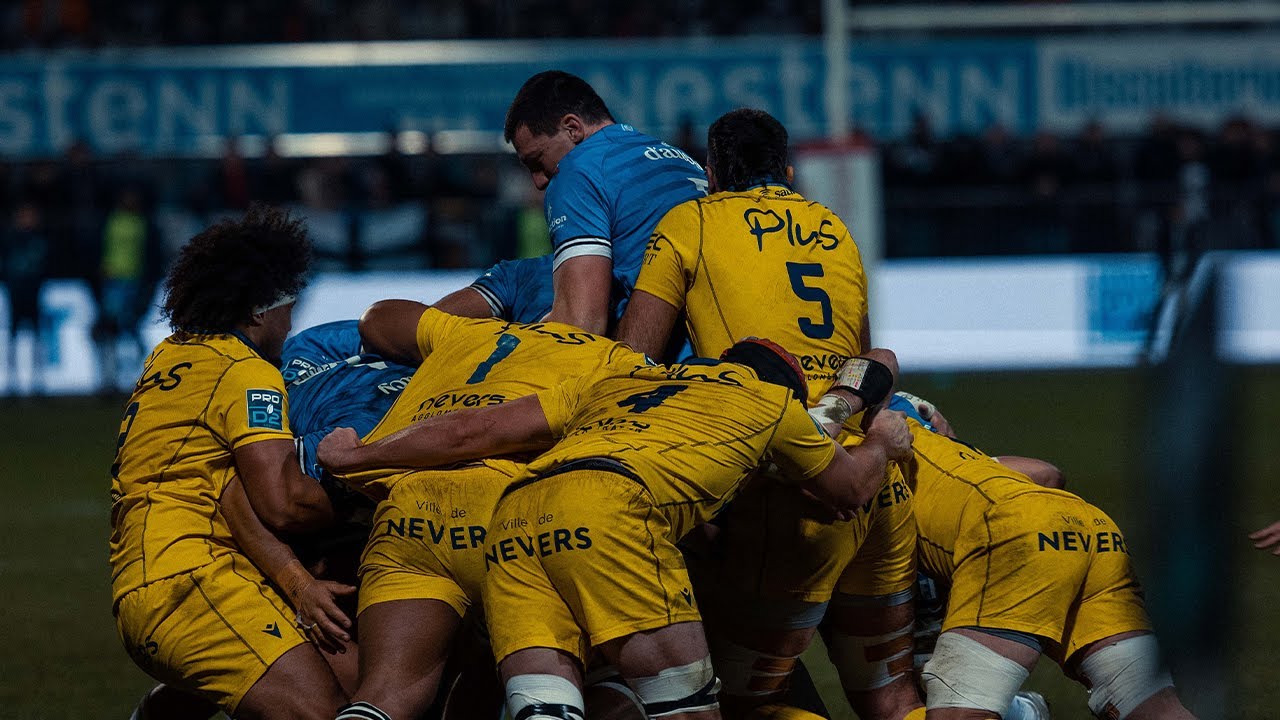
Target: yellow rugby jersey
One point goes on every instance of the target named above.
(690, 433)
(199, 399)
(953, 485)
(475, 362)
(763, 262)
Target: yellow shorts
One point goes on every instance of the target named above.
(213, 632)
(577, 559)
(885, 563)
(779, 544)
(428, 537)
(1049, 565)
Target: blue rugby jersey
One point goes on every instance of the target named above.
(608, 194)
(518, 290)
(332, 385)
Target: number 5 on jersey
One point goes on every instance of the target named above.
(798, 273)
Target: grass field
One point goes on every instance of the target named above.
(64, 661)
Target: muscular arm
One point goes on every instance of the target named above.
(275, 559)
(390, 329)
(583, 286)
(466, 302)
(311, 598)
(855, 474)
(286, 500)
(647, 323)
(472, 434)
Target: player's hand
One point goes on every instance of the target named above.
(337, 451)
(889, 429)
(941, 425)
(319, 616)
(1268, 538)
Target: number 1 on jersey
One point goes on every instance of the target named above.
(798, 272)
(506, 343)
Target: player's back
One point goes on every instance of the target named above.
(955, 487)
(476, 362)
(174, 453)
(331, 385)
(689, 432)
(763, 262)
(610, 191)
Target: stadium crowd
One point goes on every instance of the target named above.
(526, 487)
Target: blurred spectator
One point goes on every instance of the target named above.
(130, 262)
(25, 261)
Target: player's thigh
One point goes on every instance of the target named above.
(1111, 600)
(298, 686)
(604, 546)
(403, 648)
(213, 632)
(1021, 569)
(777, 544)
(428, 538)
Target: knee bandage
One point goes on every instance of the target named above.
(608, 677)
(964, 673)
(870, 662)
(683, 689)
(543, 697)
(361, 711)
(751, 673)
(1122, 676)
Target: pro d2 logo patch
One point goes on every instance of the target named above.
(266, 409)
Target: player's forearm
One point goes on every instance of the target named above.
(853, 477)
(273, 557)
(443, 440)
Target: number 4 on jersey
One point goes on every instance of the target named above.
(643, 401)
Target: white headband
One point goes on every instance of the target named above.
(284, 299)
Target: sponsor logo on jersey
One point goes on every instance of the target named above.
(265, 409)
(540, 545)
(272, 629)
(666, 152)
(458, 537)
(1080, 541)
(764, 224)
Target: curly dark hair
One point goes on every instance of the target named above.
(233, 267)
(549, 96)
(746, 147)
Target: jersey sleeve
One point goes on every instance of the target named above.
(799, 445)
(497, 287)
(560, 403)
(250, 405)
(434, 327)
(578, 216)
(668, 265)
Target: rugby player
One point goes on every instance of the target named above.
(755, 257)
(581, 548)
(607, 185)
(204, 451)
(423, 566)
(1032, 570)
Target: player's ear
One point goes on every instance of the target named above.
(791, 174)
(712, 185)
(255, 319)
(573, 125)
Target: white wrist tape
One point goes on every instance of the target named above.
(831, 410)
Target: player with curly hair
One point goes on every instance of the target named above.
(206, 598)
